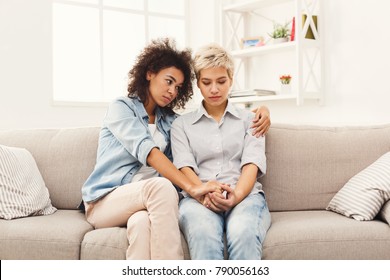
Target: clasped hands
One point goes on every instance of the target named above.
(216, 196)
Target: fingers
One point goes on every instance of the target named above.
(261, 121)
(220, 203)
(227, 188)
(208, 203)
(207, 188)
(261, 127)
(215, 186)
(257, 112)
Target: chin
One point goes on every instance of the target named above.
(163, 104)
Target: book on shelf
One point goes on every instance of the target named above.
(251, 92)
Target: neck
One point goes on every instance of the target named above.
(216, 112)
(150, 108)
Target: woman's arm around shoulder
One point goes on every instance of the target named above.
(262, 121)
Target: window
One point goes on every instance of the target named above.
(95, 43)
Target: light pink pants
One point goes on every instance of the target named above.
(149, 209)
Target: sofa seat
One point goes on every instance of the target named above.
(105, 243)
(111, 243)
(325, 235)
(53, 237)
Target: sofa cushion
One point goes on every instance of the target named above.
(307, 165)
(65, 158)
(105, 244)
(111, 244)
(53, 237)
(364, 194)
(325, 235)
(22, 190)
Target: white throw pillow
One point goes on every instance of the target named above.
(363, 195)
(22, 189)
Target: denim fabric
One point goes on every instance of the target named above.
(245, 225)
(124, 144)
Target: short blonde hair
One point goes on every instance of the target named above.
(212, 56)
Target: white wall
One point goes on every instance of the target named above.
(25, 70)
(26, 65)
(357, 66)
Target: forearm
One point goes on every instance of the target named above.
(191, 175)
(165, 167)
(246, 181)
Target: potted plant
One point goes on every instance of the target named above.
(285, 79)
(285, 87)
(280, 33)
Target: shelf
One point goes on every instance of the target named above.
(255, 51)
(249, 99)
(250, 6)
(305, 56)
(311, 95)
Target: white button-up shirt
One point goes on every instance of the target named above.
(217, 151)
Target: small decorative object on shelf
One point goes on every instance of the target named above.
(280, 33)
(285, 79)
(285, 87)
(292, 36)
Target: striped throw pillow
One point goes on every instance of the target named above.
(22, 189)
(363, 196)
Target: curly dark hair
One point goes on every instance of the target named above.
(158, 55)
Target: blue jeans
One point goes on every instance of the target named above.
(246, 226)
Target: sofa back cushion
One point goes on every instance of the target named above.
(307, 165)
(65, 158)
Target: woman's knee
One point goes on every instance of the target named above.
(165, 188)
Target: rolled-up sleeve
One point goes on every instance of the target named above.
(181, 150)
(127, 128)
(254, 152)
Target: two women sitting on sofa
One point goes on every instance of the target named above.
(128, 187)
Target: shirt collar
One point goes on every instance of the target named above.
(230, 108)
(140, 108)
(160, 114)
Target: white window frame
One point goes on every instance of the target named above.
(146, 13)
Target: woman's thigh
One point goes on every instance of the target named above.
(247, 224)
(116, 207)
(202, 228)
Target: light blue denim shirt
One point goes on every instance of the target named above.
(124, 144)
(218, 151)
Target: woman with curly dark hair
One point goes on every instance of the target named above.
(133, 181)
(159, 55)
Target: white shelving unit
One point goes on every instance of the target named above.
(308, 66)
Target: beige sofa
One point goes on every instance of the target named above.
(307, 165)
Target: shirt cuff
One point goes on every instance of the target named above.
(185, 160)
(259, 163)
(144, 149)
